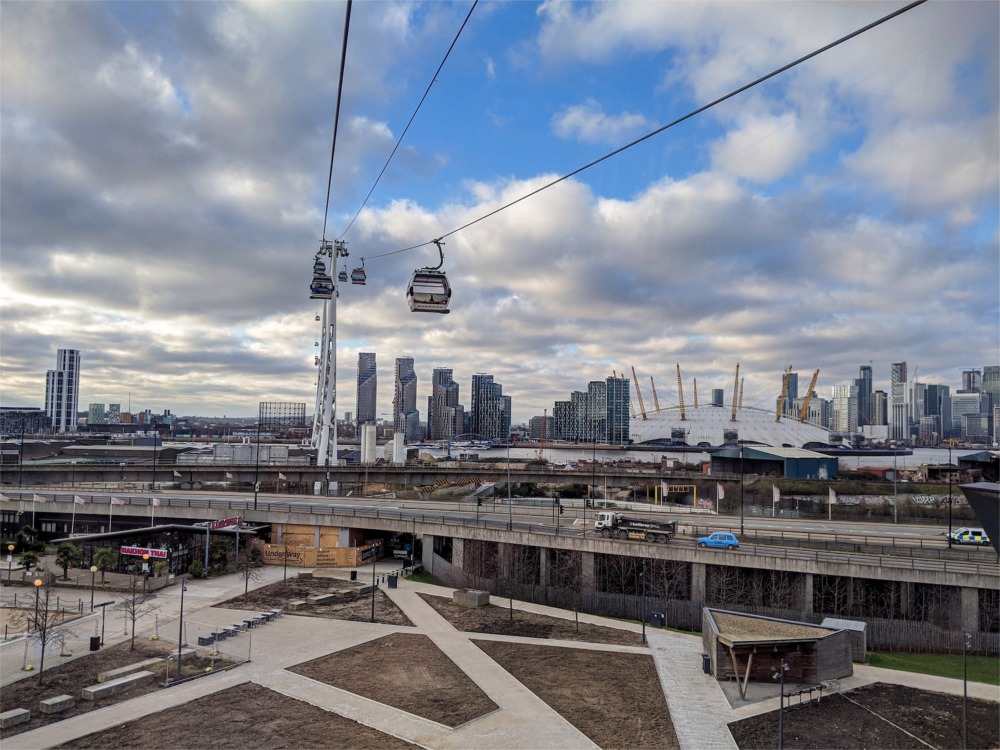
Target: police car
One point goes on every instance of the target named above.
(966, 535)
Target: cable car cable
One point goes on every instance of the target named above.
(669, 125)
(412, 118)
(336, 117)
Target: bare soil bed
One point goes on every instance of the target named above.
(497, 621)
(350, 604)
(244, 716)
(70, 678)
(613, 698)
(406, 671)
(865, 718)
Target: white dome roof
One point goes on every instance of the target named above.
(707, 425)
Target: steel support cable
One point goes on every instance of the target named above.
(669, 125)
(412, 118)
(336, 116)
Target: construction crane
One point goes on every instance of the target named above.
(638, 393)
(680, 392)
(743, 382)
(736, 388)
(631, 406)
(695, 381)
(784, 394)
(804, 411)
(656, 400)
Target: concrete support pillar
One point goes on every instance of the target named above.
(543, 566)
(905, 598)
(970, 609)
(806, 600)
(458, 553)
(699, 572)
(588, 579)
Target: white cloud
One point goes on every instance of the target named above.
(588, 123)
(763, 149)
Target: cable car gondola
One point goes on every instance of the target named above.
(342, 276)
(429, 290)
(322, 283)
(358, 274)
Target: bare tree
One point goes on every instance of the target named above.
(566, 576)
(136, 604)
(41, 624)
(249, 568)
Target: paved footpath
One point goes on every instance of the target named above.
(698, 705)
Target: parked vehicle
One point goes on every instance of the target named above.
(720, 540)
(966, 535)
(615, 524)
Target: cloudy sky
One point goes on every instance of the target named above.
(164, 173)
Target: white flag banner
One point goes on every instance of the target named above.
(5, 499)
(721, 492)
(282, 476)
(38, 498)
(177, 474)
(228, 475)
(79, 500)
(776, 495)
(116, 501)
(833, 496)
(156, 502)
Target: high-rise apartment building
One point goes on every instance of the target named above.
(367, 388)
(62, 391)
(406, 417)
(490, 410)
(445, 416)
(793, 392)
(963, 403)
(113, 414)
(597, 411)
(972, 380)
(864, 384)
(991, 384)
(617, 395)
(563, 424)
(844, 409)
(95, 414)
(899, 418)
(880, 408)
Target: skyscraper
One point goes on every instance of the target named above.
(490, 409)
(972, 380)
(597, 411)
(793, 392)
(844, 409)
(404, 400)
(617, 395)
(62, 391)
(991, 384)
(367, 388)
(864, 384)
(899, 422)
(445, 416)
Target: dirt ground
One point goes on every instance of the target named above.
(351, 604)
(864, 718)
(406, 671)
(496, 620)
(613, 698)
(69, 678)
(245, 716)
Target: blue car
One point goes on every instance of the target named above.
(720, 539)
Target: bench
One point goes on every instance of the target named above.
(114, 674)
(107, 689)
(14, 717)
(56, 705)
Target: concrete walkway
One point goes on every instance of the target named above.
(698, 703)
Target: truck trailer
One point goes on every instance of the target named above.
(611, 524)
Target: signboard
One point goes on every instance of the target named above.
(140, 551)
(227, 522)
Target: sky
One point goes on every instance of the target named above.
(164, 171)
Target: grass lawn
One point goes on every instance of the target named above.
(984, 669)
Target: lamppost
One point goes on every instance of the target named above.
(256, 468)
(93, 584)
(10, 561)
(145, 570)
(72, 475)
(742, 475)
(180, 633)
(642, 576)
(949, 496)
(38, 588)
(374, 558)
(510, 500)
(965, 689)
(895, 489)
(780, 675)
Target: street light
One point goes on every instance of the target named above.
(93, 583)
(949, 496)
(741, 487)
(180, 634)
(642, 576)
(965, 689)
(145, 570)
(38, 588)
(10, 561)
(374, 558)
(510, 501)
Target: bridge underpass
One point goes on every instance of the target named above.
(455, 548)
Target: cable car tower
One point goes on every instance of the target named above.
(324, 287)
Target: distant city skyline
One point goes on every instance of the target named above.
(165, 172)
